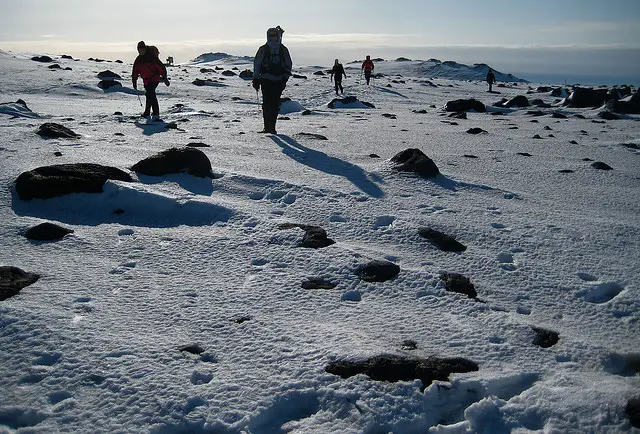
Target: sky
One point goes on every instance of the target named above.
(571, 37)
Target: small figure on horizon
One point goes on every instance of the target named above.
(271, 70)
(170, 61)
(149, 66)
(491, 79)
(367, 67)
(336, 75)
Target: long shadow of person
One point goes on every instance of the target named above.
(327, 164)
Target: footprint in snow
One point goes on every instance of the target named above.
(123, 268)
(506, 261)
(601, 292)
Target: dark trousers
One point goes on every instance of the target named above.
(151, 99)
(339, 85)
(271, 92)
(367, 76)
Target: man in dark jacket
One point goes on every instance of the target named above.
(336, 74)
(491, 79)
(271, 70)
(148, 66)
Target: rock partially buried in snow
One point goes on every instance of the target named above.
(314, 238)
(517, 101)
(317, 284)
(108, 84)
(396, 368)
(13, 279)
(52, 129)
(108, 75)
(378, 271)
(57, 180)
(43, 59)
(414, 160)
(443, 241)
(17, 109)
(583, 97)
(185, 160)
(465, 105)
(601, 166)
(455, 282)
(349, 102)
(47, 232)
(475, 130)
(247, 74)
(545, 338)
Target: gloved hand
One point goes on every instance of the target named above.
(166, 81)
(135, 85)
(256, 84)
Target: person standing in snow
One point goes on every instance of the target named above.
(149, 66)
(271, 70)
(367, 67)
(491, 79)
(336, 75)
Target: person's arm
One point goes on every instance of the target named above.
(135, 73)
(288, 63)
(257, 62)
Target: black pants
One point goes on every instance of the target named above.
(367, 76)
(151, 99)
(271, 92)
(339, 85)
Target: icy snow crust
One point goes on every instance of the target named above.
(94, 345)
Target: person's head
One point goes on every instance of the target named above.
(272, 34)
(142, 48)
(337, 61)
(368, 57)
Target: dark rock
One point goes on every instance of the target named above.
(389, 115)
(247, 74)
(317, 284)
(601, 166)
(13, 279)
(464, 105)
(459, 115)
(443, 241)
(627, 106)
(108, 84)
(545, 338)
(547, 128)
(319, 73)
(565, 171)
(475, 130)
(51, 129)
(47, 232)
(108, 75)
(573, 142)
(605, 114)
(313, 136)
(378, 271)
(299, 76)
(579, 116)
(524, 154)
(633, 411)
(43, 59)
(455, 282)
(174, 160)
(414, 160)
(55, 66)
(587, 159)
(557, 115)
(117, 113)
(630, 145)
(409, 345)
(422, 112)
(306, 112)
(558, 92)
(119, 134)
(517, 101)
(537, 136)
(57, 180)
(374, 156)
(348, 100)
(584, 97)
(470, 156)
(241, 319)
(535, 113)
(66, 56)
(396, 368)
(198, 145)
(314, 238)
(229, 73)
(58, 154)
(192, 348)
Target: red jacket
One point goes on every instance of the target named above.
(150, 68)
(367, 65)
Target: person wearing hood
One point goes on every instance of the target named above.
(367, 67)
(338, 72)
(271, 70)
(148, 66)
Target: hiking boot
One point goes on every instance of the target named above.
(144, 115)
(155, 118)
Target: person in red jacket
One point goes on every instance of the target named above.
(148, 66)
(368, 67)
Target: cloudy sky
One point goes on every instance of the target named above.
(536, 36)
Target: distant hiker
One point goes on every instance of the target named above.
(148, 66)
(367, 67)
(170, 61)
(271, 70)
(338, 71)
(491, 79)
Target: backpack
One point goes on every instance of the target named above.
(153, 50)
(272, 64)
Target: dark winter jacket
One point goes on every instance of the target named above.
(149, 67)
(491, 78)
(367, 65)
(338, 71)
(278, 55)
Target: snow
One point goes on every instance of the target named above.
(96, 344)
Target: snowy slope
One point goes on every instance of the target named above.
(97, 343)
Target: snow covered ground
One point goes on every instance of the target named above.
(186, 313)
